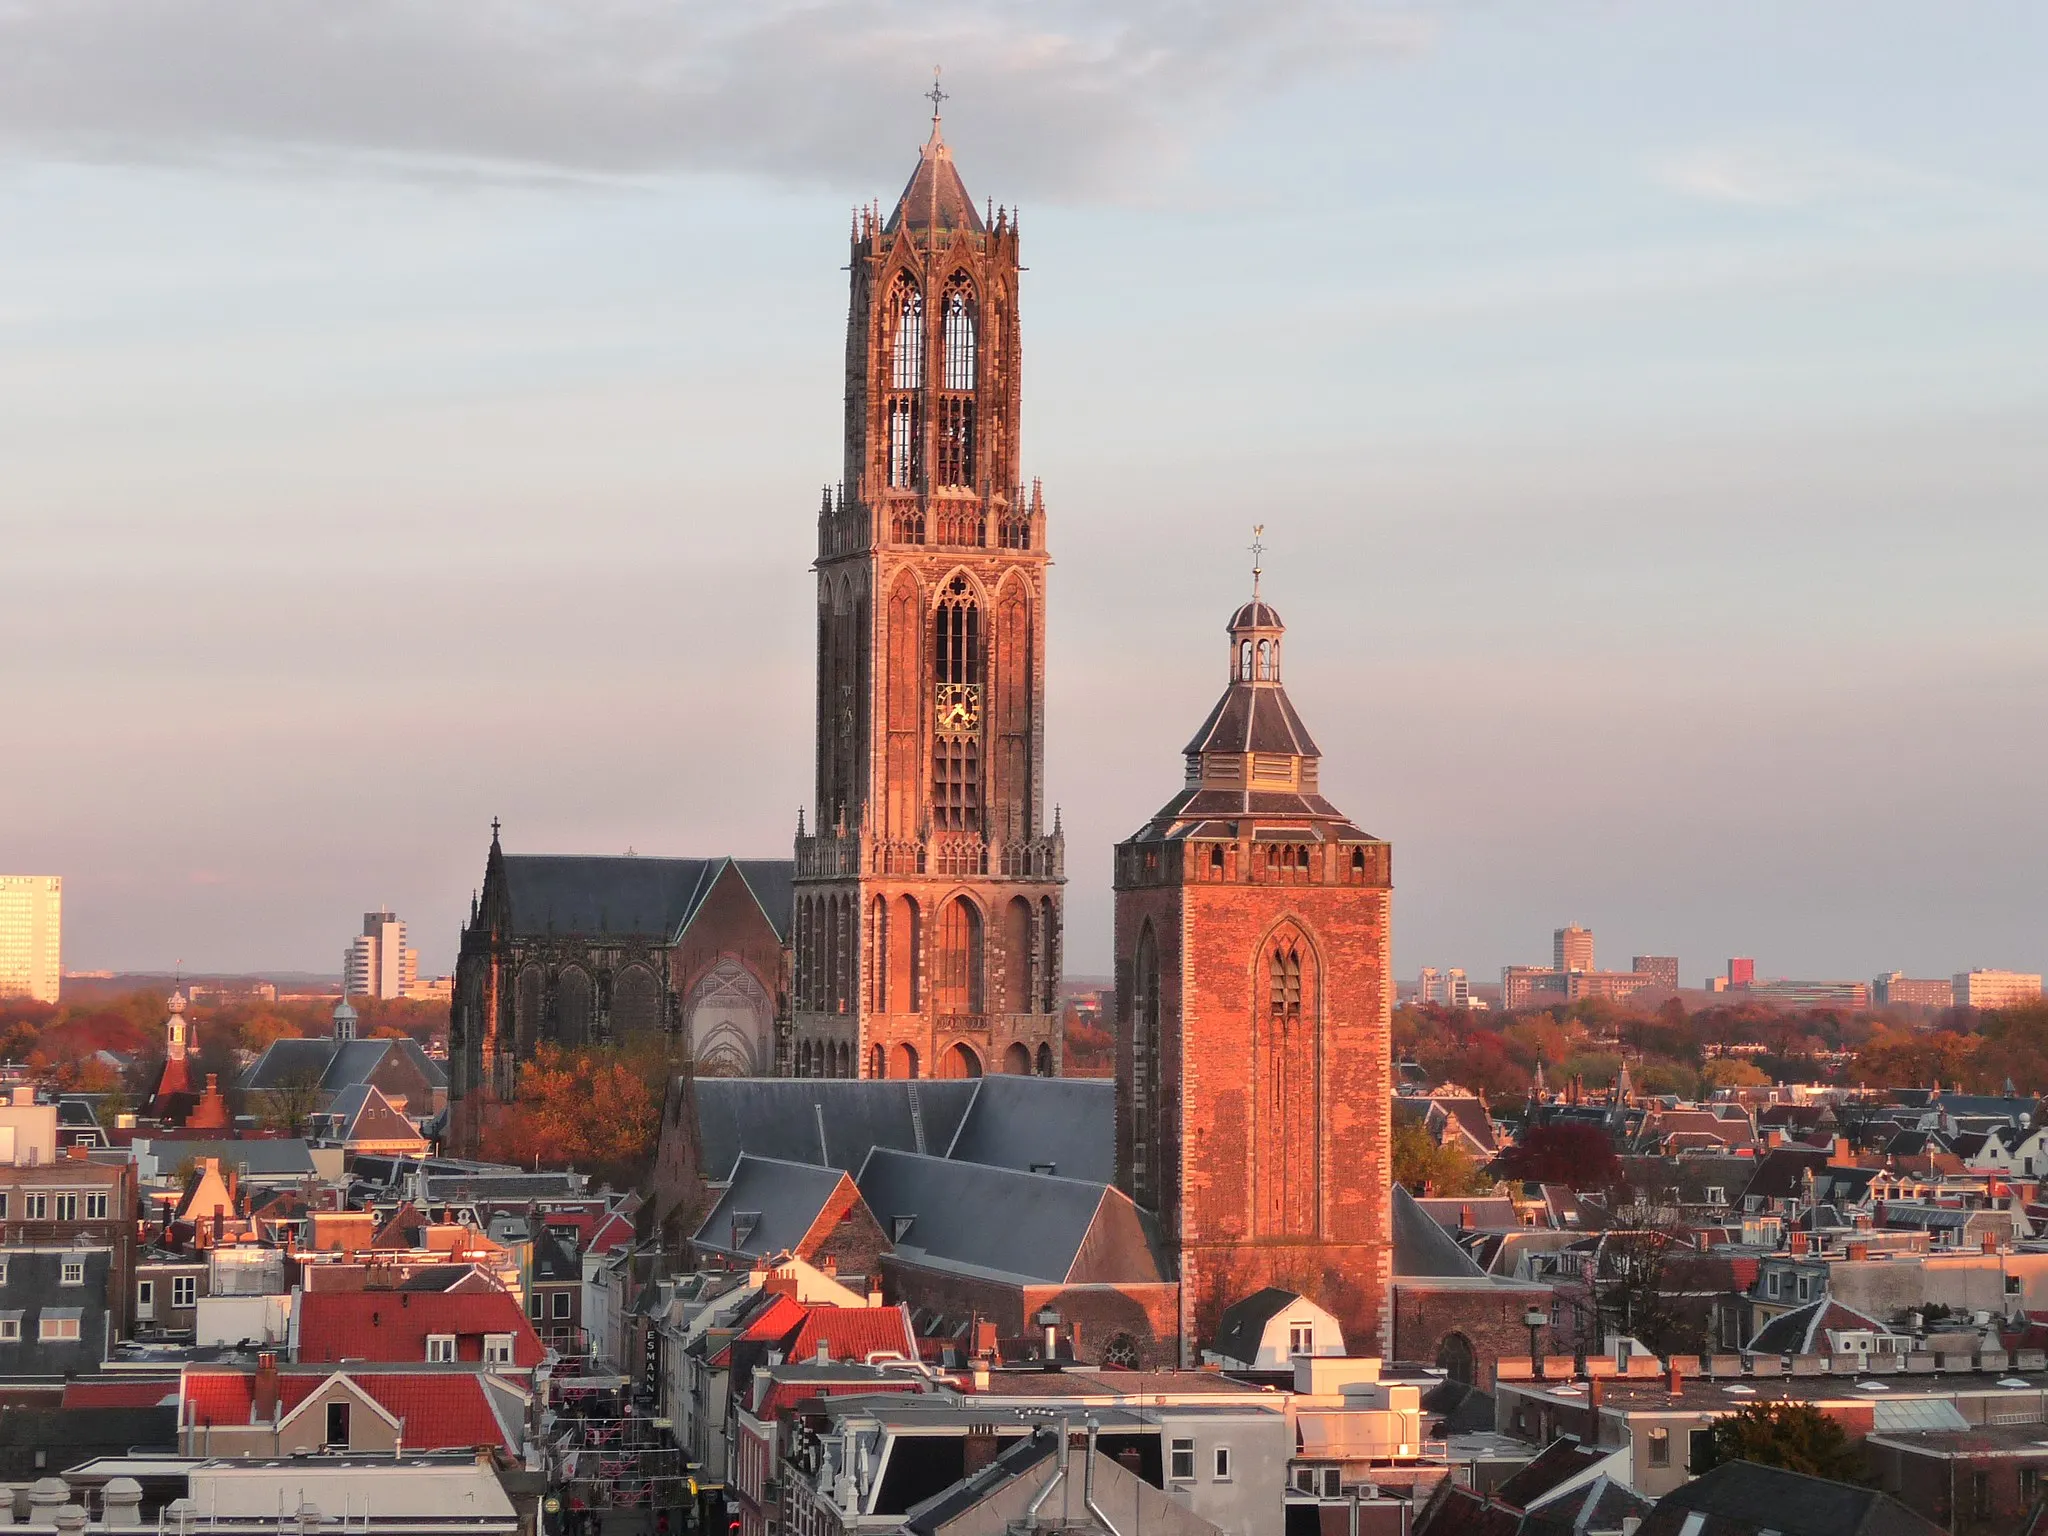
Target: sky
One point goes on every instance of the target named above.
(412, 414)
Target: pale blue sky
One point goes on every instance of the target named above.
(418, 415)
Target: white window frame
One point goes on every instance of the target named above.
(184, 1291)
(560, 1310)
(95, 1206)
(67, 1205)
(1301, 1339)
(10, 1330)
(1219, 1463)
(36, 1207)
(497, 1349)
(1175, 1452)
(440, 1349)
(145, 1298)
(73, 1272)
(56, 1330)
(1658, 1446)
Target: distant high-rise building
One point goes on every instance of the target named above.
(1663, 967)
(377, 963)
(1741, 971)
(1429, 986)
(1898, 990)
(31, 936)
(1994, 989)
(1457, 990)
(1573, 949)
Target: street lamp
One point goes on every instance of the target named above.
(1533, 1320)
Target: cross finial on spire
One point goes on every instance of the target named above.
(1258, 553)
(935, 95)
(494, 829)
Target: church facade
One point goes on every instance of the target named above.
(928, 885)
(1254, 1092)
(577, 950)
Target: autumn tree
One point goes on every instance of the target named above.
(593, 1109)
(1577, 1156)
(1733, 1072)
(1795, 1436)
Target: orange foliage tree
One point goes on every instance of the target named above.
(593, 1110)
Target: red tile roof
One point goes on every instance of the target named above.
(392, 1326)
(774, 1321)
(853, 1333)
(441, 1409)
(120, 1393)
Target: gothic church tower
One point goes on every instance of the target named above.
(927, 934)
(1254, 1073)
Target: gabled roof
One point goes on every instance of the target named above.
(1243, 1324)
(1743, 1497)
(361, 1113)
(1780, 1173)
(1804, 1331)
(1036, 1228)
(853, 1333)
(1025, 1122)
(1424, 1250)
(769, 1207)
(597, 894)
(336, 1064)
(440, 1409)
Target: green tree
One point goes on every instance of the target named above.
(1795, 1436)
(1419, 1163)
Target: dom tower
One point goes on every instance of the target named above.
(928, 885)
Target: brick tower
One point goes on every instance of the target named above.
(1253, 1054)
(927, 937)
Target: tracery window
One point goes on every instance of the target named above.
(956, 442)
(959, 340)
(903, 443)
(908, 369)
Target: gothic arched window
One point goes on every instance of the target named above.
(907, 371)
(902, 443)
(956, 741)
(959, 339)
(958, 986)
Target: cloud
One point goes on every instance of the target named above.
(1074, 94)
(1791, 176)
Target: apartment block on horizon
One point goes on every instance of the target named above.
(1994, 989)
(1896, 989)
(1573, 977)
(377, 962)
(31, 936)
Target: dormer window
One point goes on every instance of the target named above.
(440, 1349)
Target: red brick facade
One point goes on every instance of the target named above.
(1254, 1003)
(1130, 1324)
(928, 890)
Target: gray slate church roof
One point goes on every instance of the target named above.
(769, 1206)
(1001, 1121)
(584, 893)
(336, 1064)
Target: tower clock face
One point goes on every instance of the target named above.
(959, 708)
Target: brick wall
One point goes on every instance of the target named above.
(1489, 1319)
(1091, 1316)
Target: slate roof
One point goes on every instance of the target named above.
(1016, 1458)
(336, 1064)
(1558, 1462)
(1487, 1213)
(1254, 717)
(590, 894)
(1780, 1173)
(1001, 1120)
(1744, 1497)
(935, 196)
(259, 1157)
(1424, 1250)
(1020, 1122)
(1036, 1228)
(361, 1113)
(1801, 1332)
(785, 1199)
(1244, 1322)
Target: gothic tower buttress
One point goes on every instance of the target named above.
(928, 897)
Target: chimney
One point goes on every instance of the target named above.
(979, 1449)
(76, 1151)
(824, 1352)
(1858, 1251)
(266, 1387)
(1674, 1377)
(981, 1373)
(1465, 1218)
(1596, 1394)
(1990, 1241)
(1798, 1240)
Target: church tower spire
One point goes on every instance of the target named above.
(928, 889)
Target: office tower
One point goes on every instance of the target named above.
(31, 933)
(1741, 971)
(1573, 949)
(1429, 986)
(377, 963)
(1897, 989)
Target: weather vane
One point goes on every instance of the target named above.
(935, 95)
(1258, 552)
